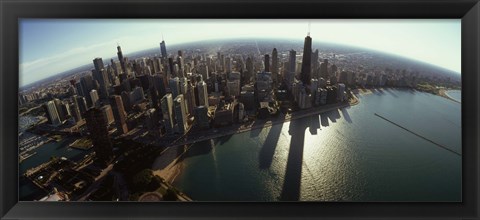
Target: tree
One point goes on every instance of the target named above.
(143, 179)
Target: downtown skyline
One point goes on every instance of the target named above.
(69, 43)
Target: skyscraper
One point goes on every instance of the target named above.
(119, 113)
(267, 63)
(202, 93)
(324, 69)
(305, 74)
(163, 49)
(249, 67)
(80, 102)
(166, 104)
(62, 115)
(275, 66)
(87, 84)
(108, 112)
(228, 65)
(52, 113)
(98, 63)
(180, 114)
(174, 85)
(100, 74)
(120, 58)
(94, 97)
(292, 61)
(77, 116)
(97, 126)
(190, 98)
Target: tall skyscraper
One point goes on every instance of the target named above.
(249, 67)
(94, 97)
(180, 114)
(292, 61)
(100, 74)
(274, 66)
(97, 124)
(202, 93)
(62, 115)
(80, 102)
(324, 69)
(76, 115)
(166, 104)
(190, 98)
(52, 113)
(228, 65)
(88, 84)
(174, 85)
(108, 112)
(305, 74)
(267, 63)
(119, 113)
(159, 85)
(120, 58)
(78, 87)
(163, 49)
(98, 64)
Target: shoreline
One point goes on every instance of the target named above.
(169, 172)
(443, 93)
(264, 123)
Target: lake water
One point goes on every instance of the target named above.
(455, 94)
(343, 155)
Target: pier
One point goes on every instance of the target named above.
(418, 135)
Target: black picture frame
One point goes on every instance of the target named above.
(11, 11)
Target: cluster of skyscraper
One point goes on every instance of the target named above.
(169, 95)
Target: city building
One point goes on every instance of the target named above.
(120, 58)
(180, 114)
(305, 74)
(52, 113)
(119, 114)
(163, 49)
(166, 105)
(97, 124)
(202, 119)
(324, 69)
(151, 119)
(250, 71)
(224, 114)
(107, 111)
(101, 76)
(266, 63)
(275, 66)
(174, 85)
(202, 93)
(94, 97)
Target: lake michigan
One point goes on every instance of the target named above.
(349, 154)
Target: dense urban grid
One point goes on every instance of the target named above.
(126, 112)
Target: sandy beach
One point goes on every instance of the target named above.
(443, 93)
(169, 164)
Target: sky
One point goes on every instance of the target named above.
(52, 46)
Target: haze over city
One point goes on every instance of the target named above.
(51, 46)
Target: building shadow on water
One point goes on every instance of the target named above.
(324, 119)
(314, 124)
(391, 92)
(333, 115)
(269, 146)
(346, 115)
(293, 172)
(256, 132)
